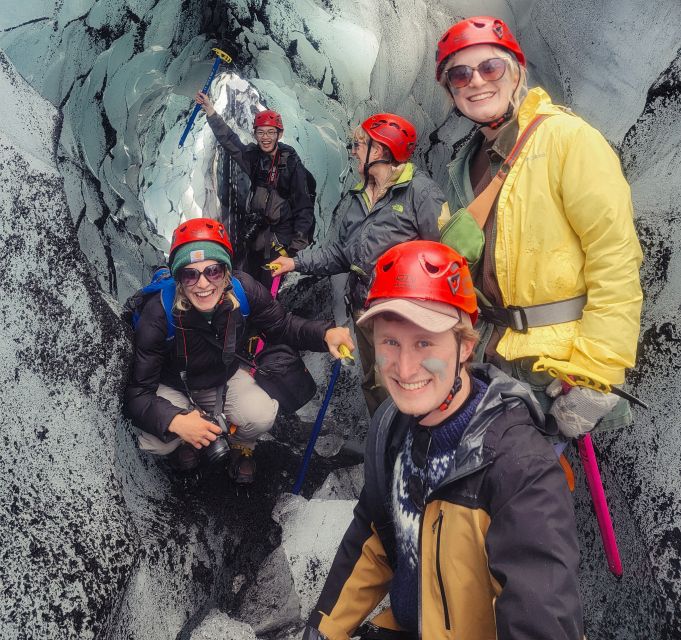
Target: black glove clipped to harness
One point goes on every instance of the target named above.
(298, 243)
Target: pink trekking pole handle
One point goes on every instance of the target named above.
(593, 479)
(274, 290)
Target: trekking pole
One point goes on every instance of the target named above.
(346, 358)
(220, 57)
(595, 483)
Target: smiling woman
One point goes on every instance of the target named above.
(536, 182)
(187, 388)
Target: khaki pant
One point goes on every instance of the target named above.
(372, 385)
(246, 405)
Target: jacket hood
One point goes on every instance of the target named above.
(477, 447)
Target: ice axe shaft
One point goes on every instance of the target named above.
(317, 428)
(220, 57)
(593, 479)
(274, 290)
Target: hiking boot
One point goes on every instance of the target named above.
(184, 458)
(241, 466)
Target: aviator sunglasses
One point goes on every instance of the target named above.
(460, 76)
(213, 273)
(419, 456)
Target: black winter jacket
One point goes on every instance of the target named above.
(297, 210)
(158, 360)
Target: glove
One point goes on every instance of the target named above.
(298, 243)
(578, 411)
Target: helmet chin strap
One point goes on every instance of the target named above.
(368, 165)
(492, 124)
(458, 383)
(456, 387)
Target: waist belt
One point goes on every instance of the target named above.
(540, 315)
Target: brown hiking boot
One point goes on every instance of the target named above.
(241, 466)
(184, 458)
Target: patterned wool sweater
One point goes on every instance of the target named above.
(407, 518)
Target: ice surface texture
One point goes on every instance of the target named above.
(92, 156)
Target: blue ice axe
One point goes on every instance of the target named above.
(220, 57)
(346, 358)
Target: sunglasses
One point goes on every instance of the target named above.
(460, 76)
(354, 145)
(419, 456)
(213, 273)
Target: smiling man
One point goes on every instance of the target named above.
(465, 519)
(280, 209)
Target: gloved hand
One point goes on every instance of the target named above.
(578, 411)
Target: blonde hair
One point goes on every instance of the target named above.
(519, 71)
(182, 303)
(360, 135)
(465, 333)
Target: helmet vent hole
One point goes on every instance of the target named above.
(388, 266)
(430, 268)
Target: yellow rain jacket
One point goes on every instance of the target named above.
(564, 228)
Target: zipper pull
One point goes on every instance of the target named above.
(438, 521)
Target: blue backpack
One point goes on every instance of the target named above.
(163, 281)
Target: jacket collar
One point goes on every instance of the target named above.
(478, 445)
(404, 178)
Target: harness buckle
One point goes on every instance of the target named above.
(517, 319)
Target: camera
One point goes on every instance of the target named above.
(254, 222)
(217, 450)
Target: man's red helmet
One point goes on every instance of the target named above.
(395, 132)
(200, 230)
(268, 118)
(425, 270)
(477, 30)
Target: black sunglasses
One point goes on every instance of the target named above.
(490, 70)
(213, 273)
(419, 456)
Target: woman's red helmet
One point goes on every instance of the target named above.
(425, 270)
(200, 230)
(395, 132)
(472, 31)
(268, 118)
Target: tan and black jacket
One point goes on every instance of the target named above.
(498, 551)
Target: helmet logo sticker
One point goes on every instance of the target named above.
(454, 282)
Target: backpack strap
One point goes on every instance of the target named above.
(481, 207)
(240, 294)
(385, 436)
(167, 300)
(162, 281)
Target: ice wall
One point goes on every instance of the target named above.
(119, 75)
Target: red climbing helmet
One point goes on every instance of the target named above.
(477, 30)
(396, 133)
(424, 270)
(268, 118)
(200, 230)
